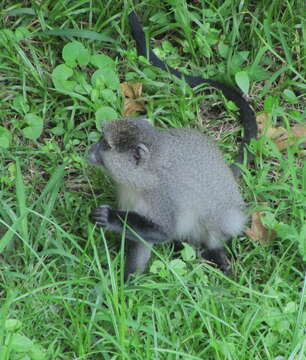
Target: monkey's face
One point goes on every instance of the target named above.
(122, 151)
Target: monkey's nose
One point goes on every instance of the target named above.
(94, 156)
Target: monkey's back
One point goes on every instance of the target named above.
(200, 183)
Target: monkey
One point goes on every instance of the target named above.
(172, 185)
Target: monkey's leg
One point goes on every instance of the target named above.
(216, 253)
(218, 257)
(137, 257)
(113, 220)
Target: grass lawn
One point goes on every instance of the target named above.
(61, 290)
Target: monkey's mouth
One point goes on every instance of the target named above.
(94, 156)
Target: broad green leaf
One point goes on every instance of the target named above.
(84, 57)
(237, 60)
(58, 130)
(62, 72)
(102, 61)
(20, 105)
(94, 95)
(94, 136)
(212, 37)
(243, 81)
(7, 34)
(38, 353)
(111, 79)
(79, 89)
(296, 115)
(12, 325)
(157, 267)
(5, 137)
(223, 49)
(60, 75)
(97, 79)
(271, 339)
(81, 79)
(231, 105)
(105, 113)
(108, 95)
(20, 343)
(179, 266)
(131, 76)
(35, 126)
(205, 48)
(188, 253)
(270, 103)
(257, 73)
(75, 52)
(290, 96)
(22, 33)
(106, 77)
(291, 307)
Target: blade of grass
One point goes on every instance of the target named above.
(22, 11)
(85, 34)
(55, 178)
(21, 202)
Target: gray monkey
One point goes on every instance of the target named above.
(173, 185)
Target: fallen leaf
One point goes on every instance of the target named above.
(257, 231)
(262, 120)
(284, 141)
(278, 134)
(131, 92)
(131, 106)
(299, 130)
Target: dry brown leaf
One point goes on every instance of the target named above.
(283, 141)
(131, 92)
(131, 106)
(299, 130)
(257, 231)
(279, 135)
(262, 120)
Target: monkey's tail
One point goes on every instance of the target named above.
(247, 115)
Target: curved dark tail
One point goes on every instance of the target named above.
(247, 115)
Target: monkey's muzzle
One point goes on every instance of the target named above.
(94, 156)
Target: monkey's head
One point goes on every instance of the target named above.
(125, 151)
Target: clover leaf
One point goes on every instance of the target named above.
(34, 128)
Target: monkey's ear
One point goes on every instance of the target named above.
(141, 153)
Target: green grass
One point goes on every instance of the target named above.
(60, 278)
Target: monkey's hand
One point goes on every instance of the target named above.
(102, 216)
(115, 220)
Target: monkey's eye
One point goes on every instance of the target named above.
(137, 154)
(104, 144)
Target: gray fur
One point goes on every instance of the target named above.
(180, 182)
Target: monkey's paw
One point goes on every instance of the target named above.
(101, 216)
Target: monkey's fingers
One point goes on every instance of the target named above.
(100, 216)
